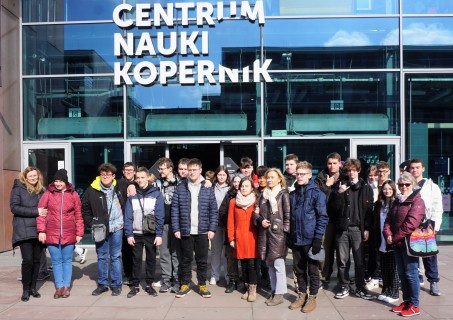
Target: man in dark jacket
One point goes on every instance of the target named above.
(291, 161)
(194, 220)
(102, 205)
(352, 205)
(308, 223)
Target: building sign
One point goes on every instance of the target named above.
(186, 43)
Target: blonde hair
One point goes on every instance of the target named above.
(279, 174)
(38, 187)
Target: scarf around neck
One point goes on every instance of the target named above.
(245, 201)
(271, 195)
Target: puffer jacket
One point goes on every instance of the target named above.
(308, 214)
(208, 214)
(272, 243)
(64, 217)
(404, 217)
(24, 207)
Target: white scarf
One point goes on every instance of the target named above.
(245, 201)
(270, 195)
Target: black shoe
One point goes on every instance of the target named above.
(99, 290)
(363, 293)
(165, 287)
(25, 296)
(231, 287)
(133, 292)
(150, 290)
(343, 293)
(34, 293)
(116, 291)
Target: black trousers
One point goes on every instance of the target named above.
(200, 244)
(232, 264)
(147, 241)
(126, 255)
(249, 271)
(31, 251)
(305, 268)
(346, 241)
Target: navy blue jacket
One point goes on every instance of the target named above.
(308, 214)
(208, 214)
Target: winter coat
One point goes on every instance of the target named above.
(242, 230)
(308, 214)
(208, 214)
(24, 206)
(404, 217)
(153, 203)
(432, 196)
(64, 217)
(272, 242)
(94, 204)
(223, 210)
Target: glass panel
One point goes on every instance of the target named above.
(427, 42)
(47, 160)
(371, 154)
(147, 156)
(181, 111)
(349, 43)
(67, 108)
(68, 49)
(329, 103)
(313, 151)
(67, 10)
(209, 154)
(427, 6)
(235, 151)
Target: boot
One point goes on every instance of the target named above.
(310, 305)
(278, 299)
(25, 296)
(299, 303)
(252, 293)
(231, 286)
(270, 297)
(246, 294)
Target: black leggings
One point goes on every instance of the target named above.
(249, 270)
(31, 256)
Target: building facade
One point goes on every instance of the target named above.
(369, 79)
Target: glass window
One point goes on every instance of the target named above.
(349, 43)
(427, 42)
(68, 49)
(66, 108)
(332, 103)
(67, 10)
(427, 6)
(313, 151)
(180, 111)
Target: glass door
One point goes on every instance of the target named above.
(47, 158)
(371, 151)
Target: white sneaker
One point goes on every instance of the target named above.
(390, 300)
(382, 297)
(212, 281)
(83, 256)
(372, 284)
(157, 284)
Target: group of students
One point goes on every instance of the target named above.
(248, 218)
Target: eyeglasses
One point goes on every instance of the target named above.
(129, 170)
(407, 185)
(301, 173)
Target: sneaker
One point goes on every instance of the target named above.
(382, 297)
(133, 292)
(204, 292)
(83, 256)
(390, 300)
(399, 308)
(43, 277)
(372, 284)
(99, 290)
(183, 291)
(157, 284)
(116, 291)
(165, 287)
(421, 279)
(127, 281)
(343, 293)
(213, 281)
(19, 278)
(150, 290)
(410, 310)
(175, 287)
(434, 289)
(363, 293)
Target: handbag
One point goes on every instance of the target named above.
(422, 241)
(149, 220)
(98, 232)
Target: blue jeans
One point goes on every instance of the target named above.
(408, 273)
(110, 248)
(431, 269)
(61, 256)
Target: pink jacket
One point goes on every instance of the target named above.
(404, 217)
(64, 216)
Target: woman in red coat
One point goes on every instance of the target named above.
(242, 234)
(61, 229)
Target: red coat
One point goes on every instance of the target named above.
(242, 230)
(64, 216)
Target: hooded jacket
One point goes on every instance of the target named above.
(64, 218)
(432, 197)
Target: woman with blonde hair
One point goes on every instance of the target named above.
(272, 217)
(24, 198)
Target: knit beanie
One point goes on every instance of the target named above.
(61, 175)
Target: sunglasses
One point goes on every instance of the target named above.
(407, 185)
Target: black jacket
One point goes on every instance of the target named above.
(24, 206)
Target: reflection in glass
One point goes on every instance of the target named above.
(56, 108)
(427, 6)
(332, 103)
(371, 154)
(47, 160)
(147, 156)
